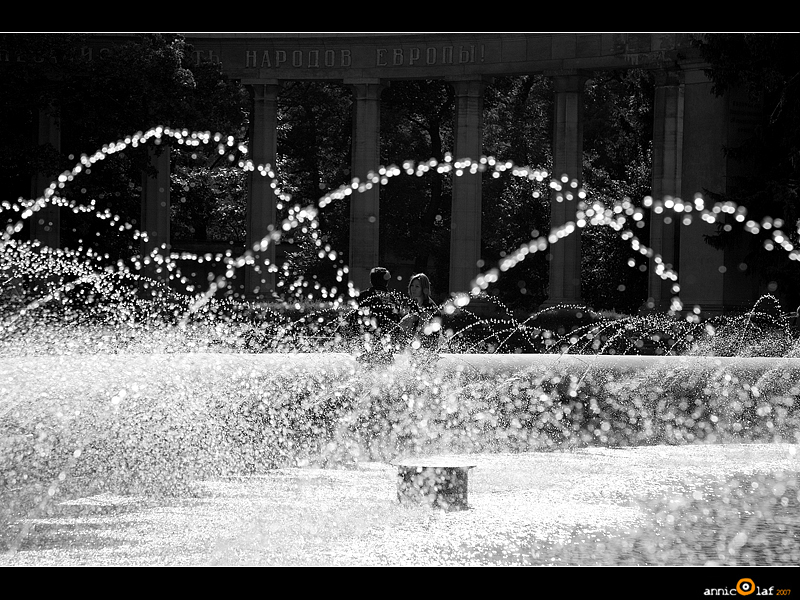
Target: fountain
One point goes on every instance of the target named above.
(658, 439)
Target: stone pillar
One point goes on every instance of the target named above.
(565, 254)
(364, 205)
(259, 280)
(155, 213)
(742, 289)
(668, 112)
(46, 223)
(465, 223)
(704, 168)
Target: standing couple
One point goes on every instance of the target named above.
(392, 321)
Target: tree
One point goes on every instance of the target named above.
(148, 81)
(136, 83)
(209, 204)
(618, 136)
(416, 125)
(518, 125)
(313, 157)
(33, 68)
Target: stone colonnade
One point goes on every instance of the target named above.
(690, 131)
(691, 127)
(364, 208)
(465, 236)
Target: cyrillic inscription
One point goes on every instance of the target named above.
(274, 59)
(444, 55)
(383, 57)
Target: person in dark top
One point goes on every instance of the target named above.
(379, 285)
(378, 316)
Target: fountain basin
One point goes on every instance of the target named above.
(506, 363)
(155, 423)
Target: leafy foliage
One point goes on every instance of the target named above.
(31, 68)
(313, 147)
(417, 125)
(518, 116)
(618, 134)
(208, 204)
(135, 83)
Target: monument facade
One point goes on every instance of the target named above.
(692, 126)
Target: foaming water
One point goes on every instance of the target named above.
(109, 390)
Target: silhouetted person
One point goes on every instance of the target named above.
(379, 312)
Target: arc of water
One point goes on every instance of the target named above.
(380, 177)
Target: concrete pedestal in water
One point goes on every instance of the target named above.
(440, 482)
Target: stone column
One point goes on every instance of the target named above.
(668, 117)
(465, 223)
(565, 254)
(700, 272)
(155, 213)
(46, 223)
(741, 290)
(259, 281)
(364, 205)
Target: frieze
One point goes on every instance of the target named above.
(251, 56)
(311, 58)
(459, 54)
